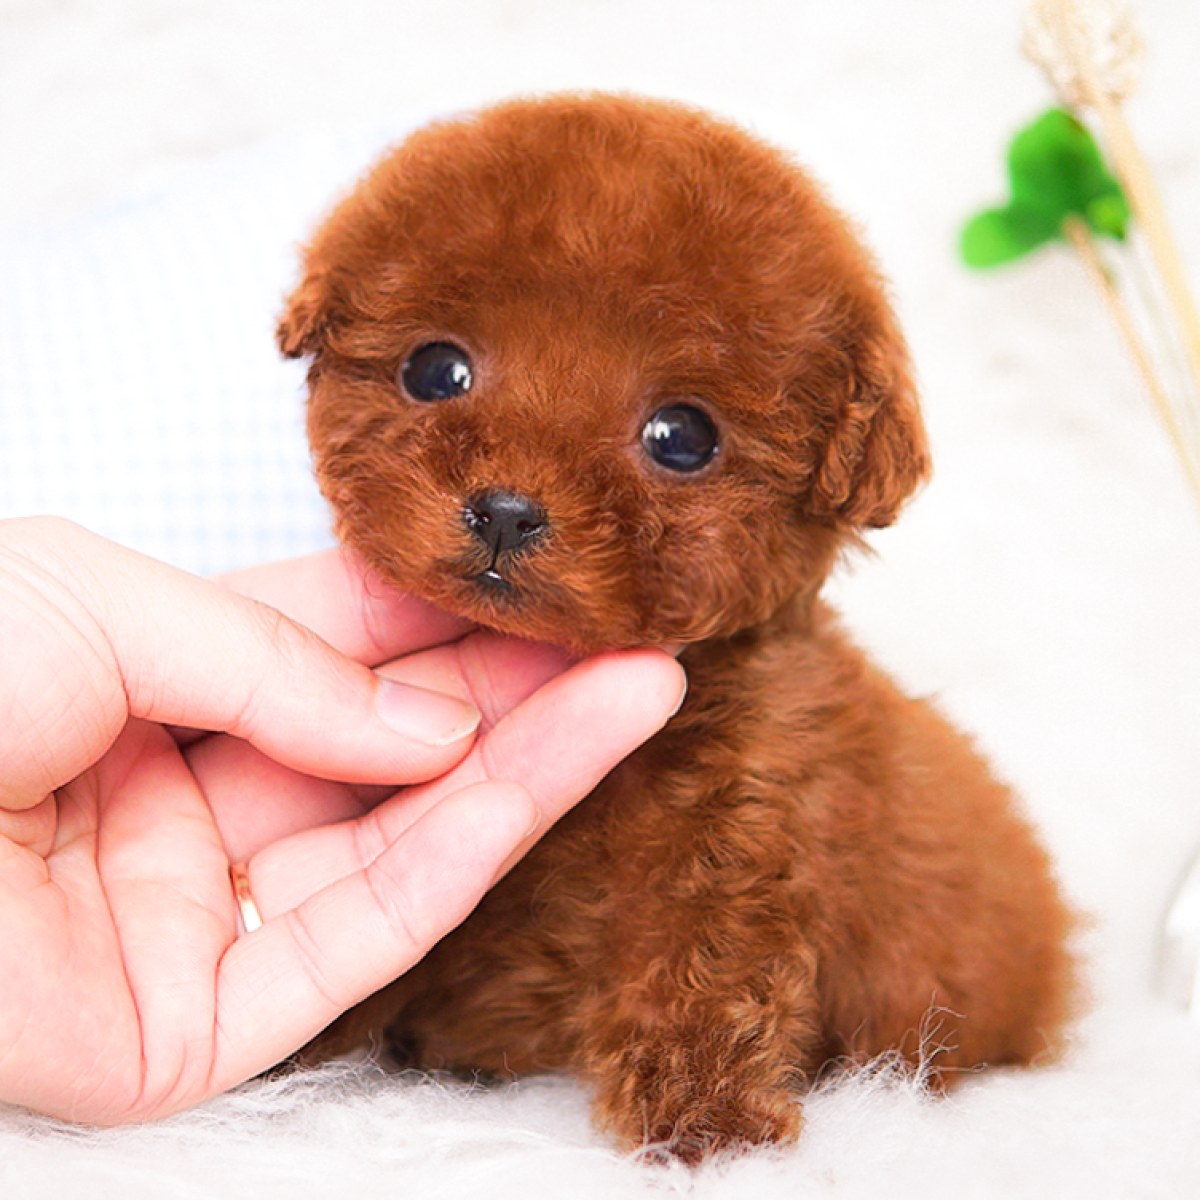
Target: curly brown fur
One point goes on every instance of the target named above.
(804, 862)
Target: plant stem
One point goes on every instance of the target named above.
(1146, 204)
(1078, 234)
(1092, 92)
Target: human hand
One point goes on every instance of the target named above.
(127, 994)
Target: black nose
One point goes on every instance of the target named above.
(505, 521)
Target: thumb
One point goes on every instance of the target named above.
(93, 633)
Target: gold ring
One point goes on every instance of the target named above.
(249, 918)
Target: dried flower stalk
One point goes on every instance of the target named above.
(1084, 47)
(1092, 52)
(1082, 241)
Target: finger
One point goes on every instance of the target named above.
(494, 671)
(102, 633)
(257, 801)
(559, 744)
(166, 888)
(32, 828)
(338, 597)
(282, 984)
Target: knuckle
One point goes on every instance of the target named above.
(312, 962)
(391, 895)
(284, 654)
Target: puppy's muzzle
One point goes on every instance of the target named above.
(505, 522)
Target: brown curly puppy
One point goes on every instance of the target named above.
(608, 373)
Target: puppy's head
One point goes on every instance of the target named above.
(602, 372)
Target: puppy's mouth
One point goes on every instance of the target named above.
(522, 596)
(512, 583)
(491, 582)
(517, 574)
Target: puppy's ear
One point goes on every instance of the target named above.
(305, 320)
(876, 454)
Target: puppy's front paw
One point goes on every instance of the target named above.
(690, 1119)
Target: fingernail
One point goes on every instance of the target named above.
(426, 716)
(537, 823)
(683, 691)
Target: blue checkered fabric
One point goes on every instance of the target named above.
(140, 390)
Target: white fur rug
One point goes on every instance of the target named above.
(160, 162)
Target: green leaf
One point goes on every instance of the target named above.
(1055, 169)
(1001, 235)
(1109, 214)
(1054, 162)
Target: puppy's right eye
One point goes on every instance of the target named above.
(436, 371)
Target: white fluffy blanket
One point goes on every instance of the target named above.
(1045, 588)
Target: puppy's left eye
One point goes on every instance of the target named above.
(436, 371)
(680, 437)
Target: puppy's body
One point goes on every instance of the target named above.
(804, 865)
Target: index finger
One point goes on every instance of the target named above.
(336, 595)
(107, 633)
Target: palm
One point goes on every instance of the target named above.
(123, 894)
